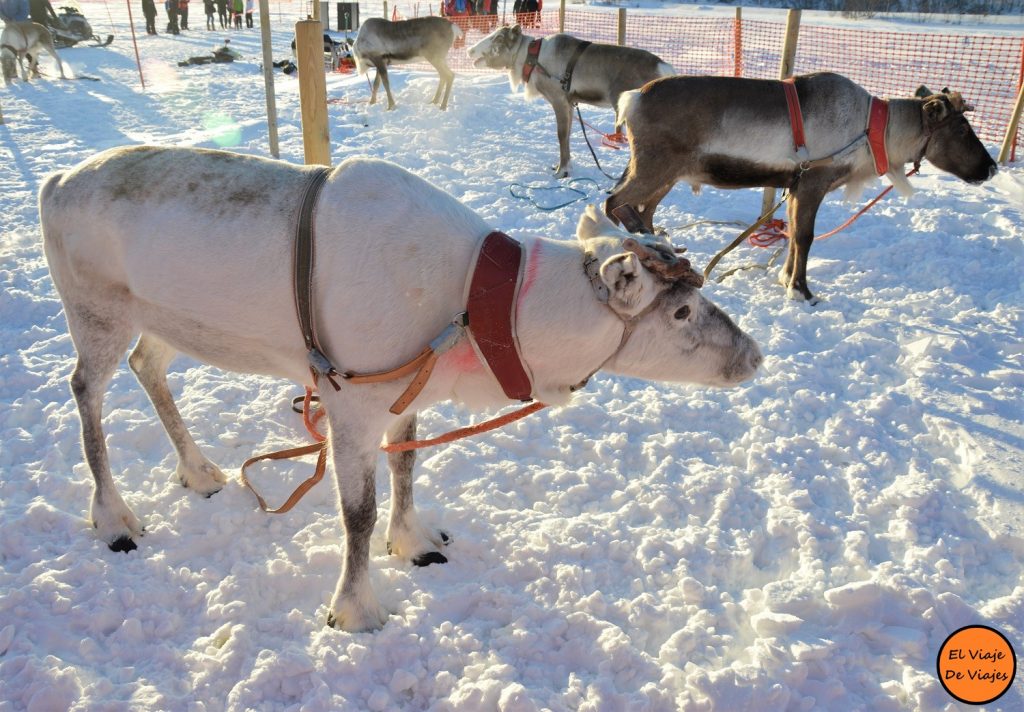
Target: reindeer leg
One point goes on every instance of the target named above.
(376, 84)
(149, 360)
(407, 538)
(563, 124)
(802, 211)
(382, 74)
(448, 88)
(101, 335)
(646, 182)
(354, 454)
(60, 64)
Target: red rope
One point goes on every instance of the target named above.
(775, 230)
(616, 140)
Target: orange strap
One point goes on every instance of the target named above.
(796, 117)
(492, 424)
(311, 418)
(300, 491)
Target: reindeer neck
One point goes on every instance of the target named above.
(906, 138)
(565, 333)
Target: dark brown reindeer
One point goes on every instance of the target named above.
(736, 133)
(380, 43)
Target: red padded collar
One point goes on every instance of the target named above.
(878, 119)
(532, 53)
(491, 305)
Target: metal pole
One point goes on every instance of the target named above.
(309, 48)
(268, 77)
(138, 62)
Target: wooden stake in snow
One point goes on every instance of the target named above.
(785, 71)
(268, 77)
(309, 50)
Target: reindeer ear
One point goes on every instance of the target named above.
(935, 110)
(922, 92)
(594, 223)
(631, 288)
(516, 30)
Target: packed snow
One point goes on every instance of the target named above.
(805, 541)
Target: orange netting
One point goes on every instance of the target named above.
(987, 70)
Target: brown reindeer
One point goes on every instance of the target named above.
(380, 43)
(736, 133)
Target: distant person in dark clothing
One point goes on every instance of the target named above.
(14, 10)
(172, 17)
(41, 11)
(149, 10)
(222, 13)
(209, 10)
(183, 14)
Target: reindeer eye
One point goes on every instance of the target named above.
(682, 312)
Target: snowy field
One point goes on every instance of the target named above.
(803, 542)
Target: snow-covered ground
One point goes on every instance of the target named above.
(803, 542)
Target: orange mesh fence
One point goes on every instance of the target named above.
(987, 70)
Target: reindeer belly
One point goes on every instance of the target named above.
(723, 171)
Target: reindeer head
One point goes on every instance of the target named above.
(952, 145)
(498, 49)
(678, 335)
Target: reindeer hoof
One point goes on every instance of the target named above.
(124, 544)
(431, 557)
(331, 621)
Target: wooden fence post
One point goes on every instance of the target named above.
(309, 50)
(561, 16)
(785, 70)
(1009, 148)
(622, 26)
(737, 43)
(386, 10)
(1011, 130)
(268, 78)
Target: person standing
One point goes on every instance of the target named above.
(172, 17)
(248, 12)
(149, 10)
(208, 9)
(237, 8)
(14, 10)
(222, 13)
(183, 14)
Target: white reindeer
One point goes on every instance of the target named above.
(186, 271)
(380, 43)
(19, 39)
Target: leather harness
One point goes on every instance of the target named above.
(491, 293)
(532, 62)
(874, 134)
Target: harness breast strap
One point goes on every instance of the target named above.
(571, 66)
(303, 264)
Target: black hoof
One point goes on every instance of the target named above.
(331, 621)
(123, 543)
(431, 557)
(445, 539)
(390, 553)
(210, 494)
